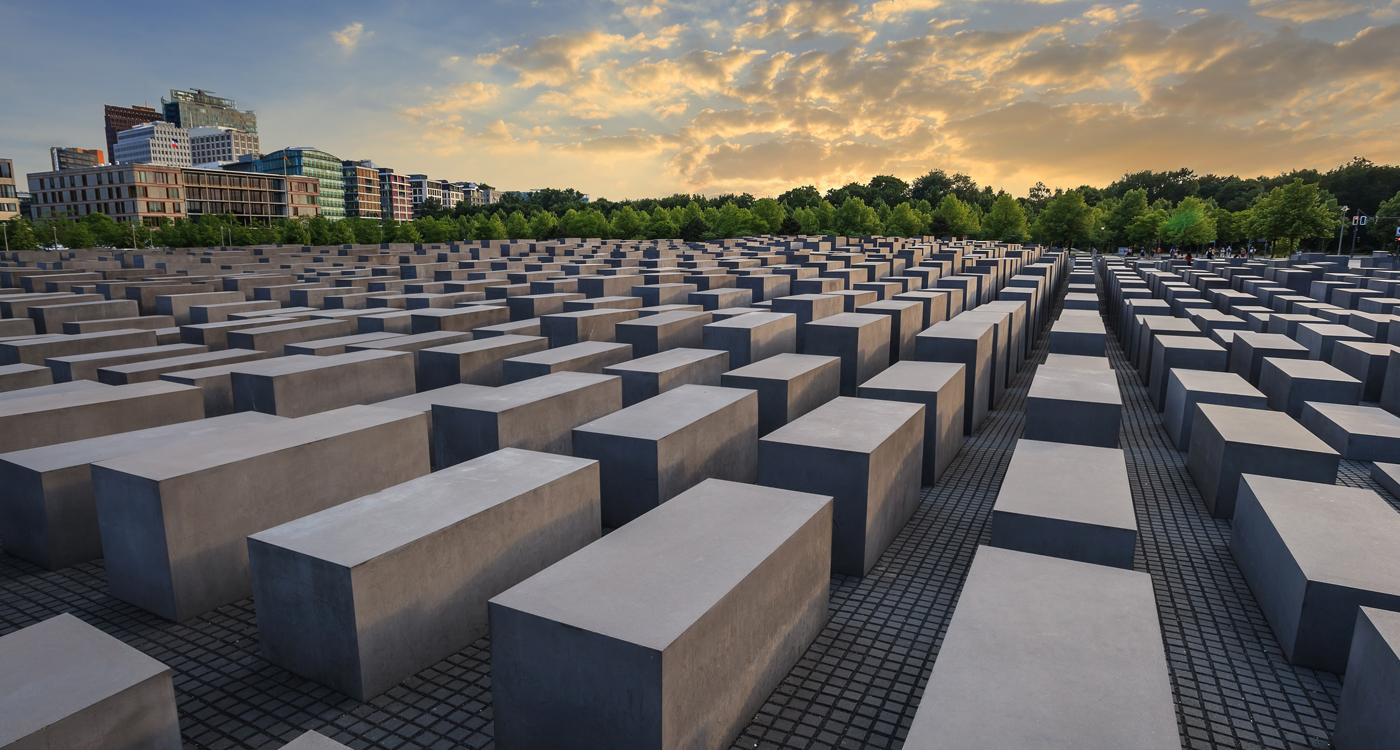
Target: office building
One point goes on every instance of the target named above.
(250, 197)
(9, 197)
(395, 197)
(304, 161)
(117, 119)
(212, 144)
(451, 195)
(198, 108)
(141, 193)
(421, 188)
(475, 195)
(147, 193)
(61, 158)
(361, 189)
(154, 143)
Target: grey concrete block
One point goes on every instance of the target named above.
(1359, 433)
(649, 376)
(715, 299)
(1186, 388)
(655, 295)
(861, 341)
(753, 337)
(175, 520)
(456, 318)
(1365, 362)
(588, 356)
(216, 381)
(1151, 326)
(47, 511)
(1083, 407)
(314, 741)
(31, 420)
(215, 335)
(52, 319)
(1068, 501)
(788, 386)
(337, 345)
(867, 454)
(538, 414)
(652, 451)
(1078, 334)
(296, 388)
(422, 403)
(527, 327)
(66, 685)
(527, 306)
(178, 305)
(19, 377)
(938, 386)
(1321, 338)
(1312, 555)
(481, 527)
(1366, 715)
(1076, 362)
(1181, 353)
(807, 308)
(478, 362)
(1249, 350)
(905, 324)
(563, 329)
(1087, 669)
(218, 313)
(652, 334)
(1228, 441)
(669, 632)
(85, 366)
(1289, 383)
(36, 350)
(969, 343)
(274, 338)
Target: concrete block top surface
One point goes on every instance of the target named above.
(1078, 483)
(509, 396)
(452, 395)
(56, 388)
(1049, 654)
(361, 530)
(1066, 384)
(1189, 342)
(85, 397)
(285, 365)
(570, 352)
(1275, 341)
(651, 580)
(1078, 324)
(1076, 362)
(784, 366)
(197, 455)
(910, 375)
(79, 452)
(850, 320)
(484, 344)
(1362, 420)
(958, 328)
(1210, 381)
(665, 414)
(314, 741)
(1340, 535)
(662, 361)
(1261, 427)
(753, 320)
(1309, 369)
(56, 668)
(858, 425)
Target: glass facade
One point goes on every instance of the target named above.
(308, 162)
(197, 109)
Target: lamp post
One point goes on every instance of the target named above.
(1340, 230)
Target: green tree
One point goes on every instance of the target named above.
(931, 187)
(855, 219)
(1384, 230)
(408, 233)
(1006, 222)
(904, 222)
(771, 213)
(1146, 230)
(495, 229)
(627, 224)
(542, 225)
(319, 229)
(20, 235)
(806, 196)
(430, 207)
(826, 218)
(953, 218)
(807, 221)
(887, 188)
(342, 233)
(1189, 223)
(517, 228)
(1296, 212)
(1125, 211)
(78, 237)
(663, 228)
(294, 232)
(1065, 222)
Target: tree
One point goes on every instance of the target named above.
(931, 187)
(953, 218)
(1146, 230)
(20, 235)
(1124, 212)
(627, 224)
(409, 233)
(1189, 224)
(807, 221)
(806, 196)
(543, 225)
(342, 233)
(1296, 212)
(517, 228)
(78, 237)
(790, 226)
(319, 230)
(494, 228)
(1065, 222)
(839, 196)
(430, 207)
(904, 222)
(855, 219)
(771, 213)
(1384, 229)
(1171, 186)
(1006, 222)
(887, 188)
(663, 228)
(294, 232)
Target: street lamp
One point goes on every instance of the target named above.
(1340, 230)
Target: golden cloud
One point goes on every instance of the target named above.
(1304, 11)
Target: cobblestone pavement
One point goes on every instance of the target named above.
(858, 685)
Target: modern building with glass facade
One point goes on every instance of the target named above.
(154, 143)
(361, 189)
(9, 198)
(303, 161)
(248, 196)
(67, 157)
(198, 108)
(117, 119)
(210, 144)
(395, 196)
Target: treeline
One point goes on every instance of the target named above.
(1157, 210)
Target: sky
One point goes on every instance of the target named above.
(644, 98)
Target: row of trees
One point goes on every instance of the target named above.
(1142, 210)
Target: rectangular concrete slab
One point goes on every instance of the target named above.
(1083, 407)
(297, 388)
(587, 356)
(646, 377)
(1048, 653)
(788, 386)
(1358, 433)
(669, 632)
(1186, 388)
(32, 421)
(1228, 441)
(1366, 716)
(478, 362)
(174, 520)
(938, 386)
(752, 337)
(481, 527)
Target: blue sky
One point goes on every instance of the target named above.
(629, 98)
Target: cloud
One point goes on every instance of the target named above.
(350, 36)
(458, 97)
(1304, 11)
(552, 60)
(885, 11)
(1102, 14)
(804, 19)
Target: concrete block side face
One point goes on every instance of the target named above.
(306, 616)
(143, 716)
(1076, 422)
(554, 685)
(547, 425)
(1366, 715)
(130, 516)
(1204, 458)
(720, 445)
(1055, 537)
(708, 700)
(628, 475)
(844, 475)
(26, 529)
(1273, 575)
(407, 621)
(896, 471)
